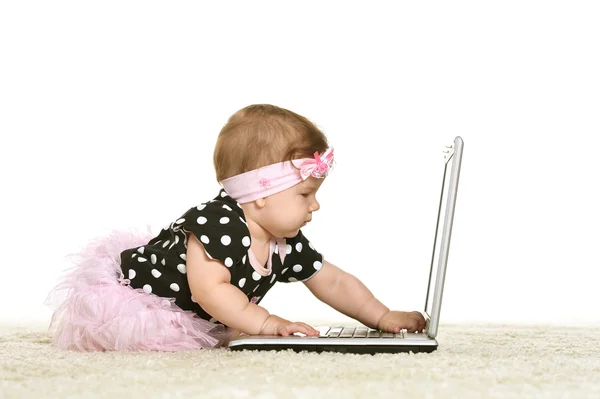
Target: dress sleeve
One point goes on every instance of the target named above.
(222, 232)
(302, 260)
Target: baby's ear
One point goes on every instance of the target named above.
(260, 203)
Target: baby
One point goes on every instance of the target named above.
(200, 281)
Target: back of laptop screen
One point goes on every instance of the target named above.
(438, 234)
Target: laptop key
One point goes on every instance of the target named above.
(323, 331)
(373, 334)
(347, 332)
(361, 332)
(334, 332)
(400, 334)
(387, 335)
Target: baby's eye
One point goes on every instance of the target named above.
(305, 195)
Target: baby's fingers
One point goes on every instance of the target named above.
(301, 328)
(310, 328)
(390, 327)
(419, 320)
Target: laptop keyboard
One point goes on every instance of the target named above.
(356, 332)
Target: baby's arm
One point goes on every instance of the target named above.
(346, 294)
(210, 283)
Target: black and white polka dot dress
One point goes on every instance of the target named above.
(159, 267)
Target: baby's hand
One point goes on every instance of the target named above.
(394, 321)
(275, 325)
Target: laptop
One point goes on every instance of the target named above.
(361, 339)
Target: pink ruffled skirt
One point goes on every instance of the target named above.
(97, 310)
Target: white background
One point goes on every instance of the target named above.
(109, 113)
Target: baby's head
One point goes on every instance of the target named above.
(262, 134)
(273, 161)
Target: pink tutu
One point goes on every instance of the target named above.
(96, 309)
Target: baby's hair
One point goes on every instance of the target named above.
(262, 134)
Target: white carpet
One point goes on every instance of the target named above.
(497, 361)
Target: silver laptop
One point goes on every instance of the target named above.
(353, 339)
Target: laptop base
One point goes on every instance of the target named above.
(355, 349)
(403, 343)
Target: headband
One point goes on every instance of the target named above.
(274, 178)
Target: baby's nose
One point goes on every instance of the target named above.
(315, 206)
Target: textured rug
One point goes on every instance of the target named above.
(473, 361)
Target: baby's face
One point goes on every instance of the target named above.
(286, 212)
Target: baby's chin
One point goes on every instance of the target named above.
(280, 236)
(287, 234)
(292, 234)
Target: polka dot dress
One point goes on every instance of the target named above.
(159, 267)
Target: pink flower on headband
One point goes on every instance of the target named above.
(319, 167)
(264, 183)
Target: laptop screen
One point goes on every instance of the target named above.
(438, 234)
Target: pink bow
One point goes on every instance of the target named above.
(319, 167)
